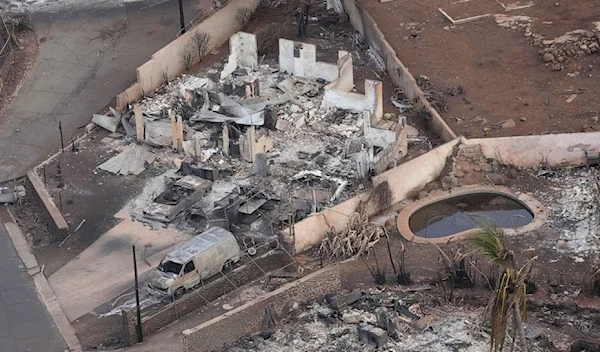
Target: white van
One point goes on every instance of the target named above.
(196, 259)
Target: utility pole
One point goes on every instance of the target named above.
(181, 20)
(62, 144)
(138, 327)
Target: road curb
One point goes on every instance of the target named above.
(22, 248)
(45, 292)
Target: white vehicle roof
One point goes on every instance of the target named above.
(198, 244)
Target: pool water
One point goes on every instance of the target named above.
(463, 212)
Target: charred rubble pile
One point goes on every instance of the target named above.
(276, 141)
(390, 320)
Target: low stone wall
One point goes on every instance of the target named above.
(247, 319)
(362, 21)
(190, 302)
(549, 150)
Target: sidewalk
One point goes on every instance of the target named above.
(26, 324)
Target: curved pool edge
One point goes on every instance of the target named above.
(539, 211)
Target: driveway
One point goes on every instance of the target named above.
(25, 324)
(88, 53)
(104, 271)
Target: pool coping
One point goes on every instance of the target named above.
(539, 211)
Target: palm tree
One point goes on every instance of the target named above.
(509, 297)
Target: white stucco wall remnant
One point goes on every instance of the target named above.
(243, 52)
(300, 59)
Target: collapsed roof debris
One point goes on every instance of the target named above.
(308, 153)
(132, 160)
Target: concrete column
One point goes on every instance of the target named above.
(173, 128)
(179, 133)
(139, 122)
(225, 139)
(129, 324)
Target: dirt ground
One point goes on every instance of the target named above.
(500, 69)
(85, 196)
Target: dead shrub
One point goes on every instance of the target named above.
(187, 55)
(399, 264)
(356, 239)
(243, 15)
(201, 40)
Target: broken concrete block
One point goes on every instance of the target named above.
(378, 337)
(283, 125)
(339, 302)
(381, 313)
(186, 166)
(110, 123)
(372, 336)
(301, 121)
(327, 314)
(387, 320)
(353, 317)
(363, 333)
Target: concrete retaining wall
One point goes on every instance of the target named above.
(551, 150)
(194, 300)
(168, 61)
(247, 319)
(59, 221)
(362, 21)
(402, 182)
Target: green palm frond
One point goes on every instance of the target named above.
(490, 242)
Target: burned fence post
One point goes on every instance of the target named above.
(138, 327)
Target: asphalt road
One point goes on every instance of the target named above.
(88, 53)
(25, 324)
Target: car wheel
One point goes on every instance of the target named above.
(226, 267)
(178, 293)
